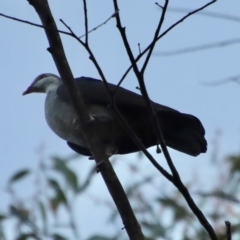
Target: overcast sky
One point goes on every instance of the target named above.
(177, 81)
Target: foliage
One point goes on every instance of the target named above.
(161, 215)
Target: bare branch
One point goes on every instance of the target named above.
(228, 230)
(198, 47)
(130, 223)
(59, 31)
(235, 79)
(100, 25)
(162, 35)
(85, 20)
(177, 180)
(154, 41)
(31, 23)
(208, 14)
(185, 17)
(159, 5)
(119, 115)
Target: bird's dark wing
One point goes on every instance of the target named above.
(182, 132)
(80, 150)
(93, 91)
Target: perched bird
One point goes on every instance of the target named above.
(182, 132)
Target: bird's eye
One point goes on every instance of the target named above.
(42, 76)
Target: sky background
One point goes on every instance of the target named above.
(179, 81)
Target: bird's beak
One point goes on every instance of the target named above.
(29, 90)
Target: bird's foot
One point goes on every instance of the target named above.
(111, 150)
(158, 150)
(92, 118)
(98, 166)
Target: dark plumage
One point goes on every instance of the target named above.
(182, 132)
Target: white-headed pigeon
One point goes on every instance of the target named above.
(182, 132)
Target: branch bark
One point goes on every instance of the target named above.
(140, 76)
(114, 186)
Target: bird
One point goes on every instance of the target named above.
(182, 132)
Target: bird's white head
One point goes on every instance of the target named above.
(44, 83)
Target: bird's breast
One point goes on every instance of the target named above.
(63, 120)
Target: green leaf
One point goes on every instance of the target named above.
(155, 229)
(59, 194)
(3, 217)
(87, 181)
(25, 236)
(234, 162)
(56, 236)
(98, 237)
(54, 203)
(180, 212)
(18, 176)
(43, 215)
(21, 213)
(69, 175)
(219, 194)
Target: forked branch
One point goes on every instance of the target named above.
(140, 76)
(56, 49)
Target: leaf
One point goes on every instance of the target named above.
(56, 236)
(99, 237)
(21, 213)
(70, 176)
(235, 228)
(3, 217)
(180, 212)
(25, 236)
(219, 194)
(234, 162)
(131, 189)
(18, 176)
(87, 181)
(59, 197)
(54, 203)
(155, 229)
(43, 215)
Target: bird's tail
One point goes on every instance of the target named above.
(183, 132)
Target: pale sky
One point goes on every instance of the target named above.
(175, 81)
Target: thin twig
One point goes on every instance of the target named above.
(154, 41)
(198, 47)
(33, 24)
(85, 20)
(100, 25)
(139, 48)
(122, 120)
(228, 230)
(185, 17)
(96, 147)
(177, 180)
(235, 79)
(140, 78)
(208, 14)
(162, 35)
(57, 30)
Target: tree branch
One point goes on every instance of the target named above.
(56, 49)
(140, 76)
(59, 31)
(119, 115)
(162, 35)
(199, 47)
(208, 14)
(85, 20)
(154, 41)
(228, 230)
